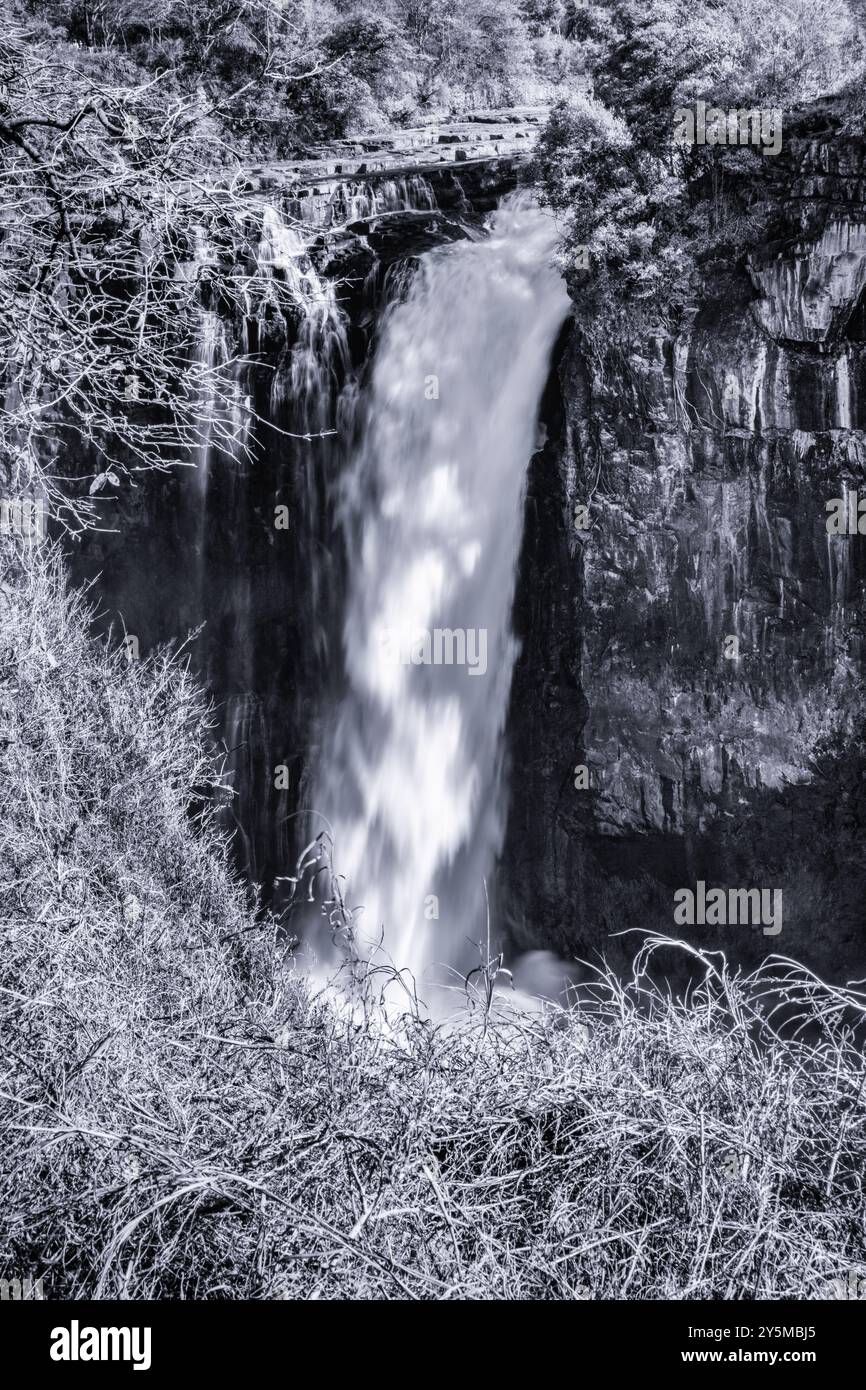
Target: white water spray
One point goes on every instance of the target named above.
(432, 509)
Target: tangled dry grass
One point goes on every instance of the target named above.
(183, 1116)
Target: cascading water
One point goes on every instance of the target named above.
(283, 360)
(347, 200)
(432, 511)
(319, 353)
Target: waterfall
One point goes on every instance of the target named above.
(431, 508)
(268, 382)
(319, 355)
(337, 200)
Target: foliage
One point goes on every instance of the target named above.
(649, 59)
(620, 205)
(648, 209)
(427, 54)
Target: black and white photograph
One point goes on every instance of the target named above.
(432, 667)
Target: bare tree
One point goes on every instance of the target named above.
(122, 212)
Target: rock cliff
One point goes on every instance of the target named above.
(706, 459)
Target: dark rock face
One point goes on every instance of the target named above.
(706, 461)
(381, 241)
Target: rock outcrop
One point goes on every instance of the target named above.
(699, 648)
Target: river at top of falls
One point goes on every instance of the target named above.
(432, 504)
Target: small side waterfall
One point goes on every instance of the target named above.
(432, 512)
(264, 597)
(319, 355)
(338, 201)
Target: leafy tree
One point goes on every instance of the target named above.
(467, 48)
(620, 207)
(648, 209)
(648, 59)
(545, 16)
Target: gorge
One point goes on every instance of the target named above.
(705, 459)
